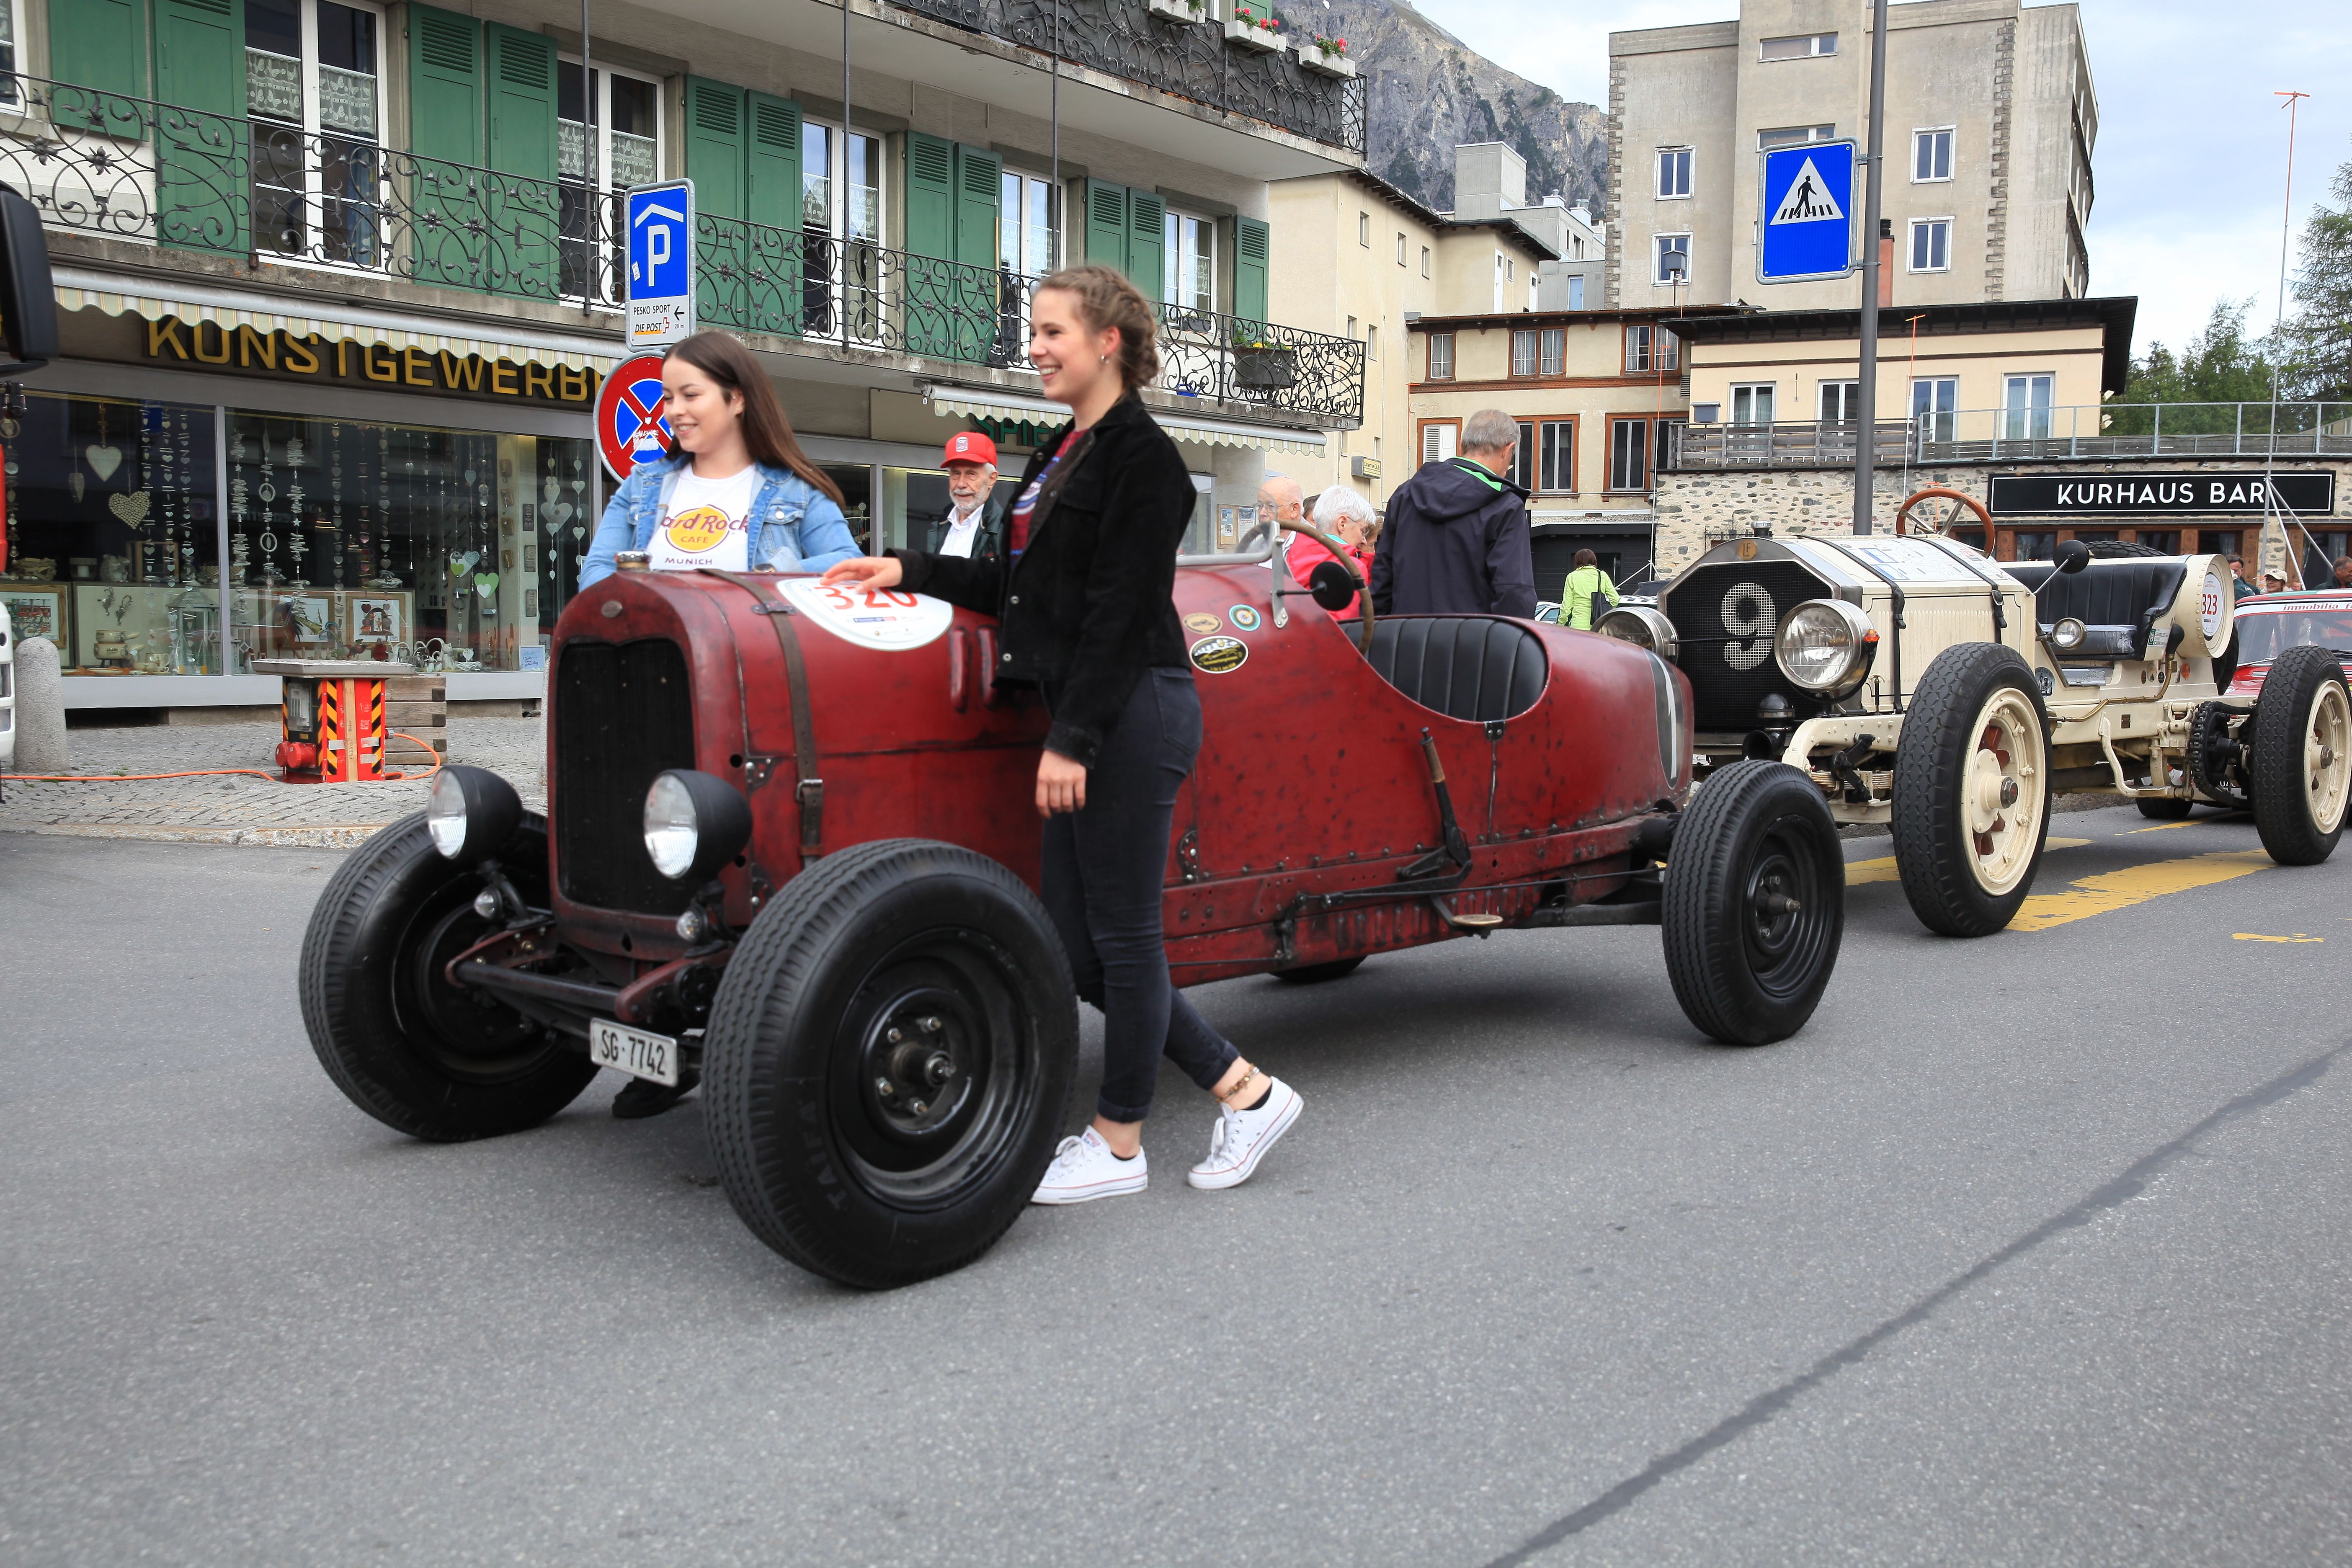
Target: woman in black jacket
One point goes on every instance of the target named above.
(1085, 594)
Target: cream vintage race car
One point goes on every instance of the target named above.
(1922, 684)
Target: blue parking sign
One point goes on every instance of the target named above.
(661, 264)
(1805, 228)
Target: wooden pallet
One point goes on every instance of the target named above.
(418, 704)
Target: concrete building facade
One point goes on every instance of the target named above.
(1991, 118)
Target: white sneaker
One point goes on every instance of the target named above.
(1241, 1137)
(1084, 1169)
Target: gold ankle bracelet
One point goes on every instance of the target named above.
(1244, 1082)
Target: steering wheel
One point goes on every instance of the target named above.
(1935, 510)
(1340, 553)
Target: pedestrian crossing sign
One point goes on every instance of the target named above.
(1805, 228)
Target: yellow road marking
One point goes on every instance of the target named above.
(2165, 826)
(2257, 936)
(2096, 895)
(1882, 870)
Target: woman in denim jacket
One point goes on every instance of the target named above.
(738, 469)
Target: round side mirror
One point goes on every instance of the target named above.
(2072, 556)
(1330, 586)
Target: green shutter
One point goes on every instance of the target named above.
(1106, 224)
(444, 132)
(202, 146)
(773, 200)
(980, 193)
(100, 45)
(934, 304)
(524, 208)
(1251, 258)
(1147, 242)
(715, 163)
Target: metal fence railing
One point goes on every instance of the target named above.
(2027, 435)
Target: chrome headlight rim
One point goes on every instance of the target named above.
(2068, 634)
(471, 814)
(1642, 627)
(1861, 644)
(694, 823)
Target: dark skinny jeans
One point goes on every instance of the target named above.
(1103, 870)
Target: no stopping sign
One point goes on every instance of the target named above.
(630, 429)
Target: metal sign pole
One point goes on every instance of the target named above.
(1865, 456)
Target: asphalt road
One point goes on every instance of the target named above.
(2031, 1249)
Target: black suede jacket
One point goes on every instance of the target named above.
(1090, 604)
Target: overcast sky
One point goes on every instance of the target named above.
(2192, 158)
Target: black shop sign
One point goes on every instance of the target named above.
(2160, 495)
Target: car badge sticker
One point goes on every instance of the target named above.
(888, 618)
(1748, 550)
(1204, 621)
(1244, 616)
(1220, 656)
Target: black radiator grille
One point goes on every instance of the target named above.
(1724, 615)
(623, 713)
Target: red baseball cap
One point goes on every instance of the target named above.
(970, 447)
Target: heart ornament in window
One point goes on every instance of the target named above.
(102, 461)
(486, 583)
(132, 508)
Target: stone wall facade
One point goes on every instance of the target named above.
(1698, 508)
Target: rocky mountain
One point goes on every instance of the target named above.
(1431, 92)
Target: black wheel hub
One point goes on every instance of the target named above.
(1783, 911)
(917, 1067)
(468, 1033)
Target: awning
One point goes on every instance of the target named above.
(79, 290)
(990, 404)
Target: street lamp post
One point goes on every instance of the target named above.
(1678, 265)
(1865, 458)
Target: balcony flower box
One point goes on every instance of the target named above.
(1184, 11)
(1327, 56)
(1256, 33)
(1267, 369)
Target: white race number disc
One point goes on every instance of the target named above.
(887, 618)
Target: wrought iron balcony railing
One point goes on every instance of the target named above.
(1124, 39)
(2030, 434)
(818, 286)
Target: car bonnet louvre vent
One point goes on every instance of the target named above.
(1724, 615)
(623, 713)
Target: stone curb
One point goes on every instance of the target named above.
(340, 836)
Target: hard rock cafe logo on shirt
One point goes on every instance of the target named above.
(698, 532)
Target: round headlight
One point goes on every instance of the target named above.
(2068, 634)
(471, 814)
(695, 823)
(671, 830)
(1825, 646)
(1642, 627)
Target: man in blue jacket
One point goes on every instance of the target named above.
(1456, 540)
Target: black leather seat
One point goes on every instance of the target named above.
(1465, 666)
(2118, 600)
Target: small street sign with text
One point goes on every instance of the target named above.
(661, 264)
(1805, 229)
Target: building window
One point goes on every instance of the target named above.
(1803, 46)
(1794, 136)
(1523, 457)
(1931, 245)
(1652, 348)
(1400, 249)
(12, 30)
(1438, 439)
(1674, 173)
(1440, 356)
(1576, 291)
(1351, 326)
(1552, 357)
(1840, 401)
(311, 79)
(1752, 404)
(1425, 261)
(1523, 352)
(1371, 342)
(841, 230)
(1934, 403)
(2025, 408)
(1670, 258)
(1364, 230)
(1556, 456)
(1027, 226)
(1189, 260)
(1629, 454)
(608, 141)
(1498, 306)
(1931, 155)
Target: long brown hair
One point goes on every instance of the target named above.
(1105, 299)
(766, 432)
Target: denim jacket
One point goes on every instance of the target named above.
(795, 527)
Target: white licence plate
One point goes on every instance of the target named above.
(632, 1051)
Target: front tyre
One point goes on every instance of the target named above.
(1972, 790)
(2300, 757)
(1316, 974)
(888, 1062)
(415, 1052)
(1754, 903)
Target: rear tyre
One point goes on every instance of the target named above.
(1972, 790)
(412, 1050)
(888, 1062)
(2163, 808)
(1754, 901)
(2300, 757)
(1316, 973)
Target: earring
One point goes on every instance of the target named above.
(1105, 360)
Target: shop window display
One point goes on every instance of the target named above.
(113, 536)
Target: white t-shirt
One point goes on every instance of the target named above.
(963, 530)
(705, 523)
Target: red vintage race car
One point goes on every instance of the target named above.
(791, 844)
(2268, 626)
